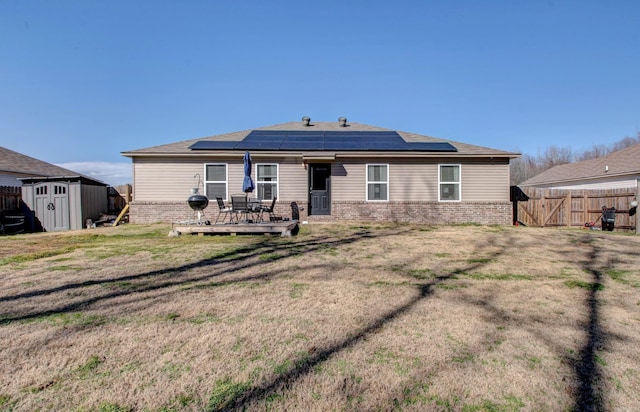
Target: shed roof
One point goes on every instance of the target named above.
(621, 163)
(184, 147)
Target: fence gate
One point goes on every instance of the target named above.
(574, 208)
(52, 205)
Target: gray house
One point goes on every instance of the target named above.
(53, 198)
(333, 171)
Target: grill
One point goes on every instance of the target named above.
(198, 203)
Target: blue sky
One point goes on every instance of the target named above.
(83, 80)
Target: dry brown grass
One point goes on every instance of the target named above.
(407, 318)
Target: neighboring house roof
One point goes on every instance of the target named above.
(29, 167)
(183, 147)
(622, 163)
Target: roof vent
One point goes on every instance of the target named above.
(342, 121)
(306, 120)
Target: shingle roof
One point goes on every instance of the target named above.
(620, 163)
(15, 162)
(182, 147)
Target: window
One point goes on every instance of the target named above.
(267, 181)
(377, 182)
(215, 181)
(449, 183)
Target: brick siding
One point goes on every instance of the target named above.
(489, 213)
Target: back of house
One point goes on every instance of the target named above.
(331, 172)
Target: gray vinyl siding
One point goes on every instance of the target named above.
(407, 181)
(292, 178)
(158, 181)
(418, 182)
(10, 179)
(485, 182)
(348, 181)
(171, 179)
(293, 181)
(235, 175)
(413, 182)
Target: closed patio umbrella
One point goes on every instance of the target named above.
(247, 184)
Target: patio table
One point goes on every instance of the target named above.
(254, 205)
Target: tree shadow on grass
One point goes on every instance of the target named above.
(238, 259)
(284, 381)
(590, 396)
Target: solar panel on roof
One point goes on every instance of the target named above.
(347, 144)
(323, 140)
(302, 146)
(302, 138)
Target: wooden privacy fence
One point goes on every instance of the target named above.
(10, 197)
(575, 208)
(119, 197)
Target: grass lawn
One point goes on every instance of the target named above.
(338, 318)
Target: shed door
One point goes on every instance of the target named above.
(52, 205)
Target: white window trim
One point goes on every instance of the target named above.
(367, 182)
(459, 183)
(277, 182)
(226, 182)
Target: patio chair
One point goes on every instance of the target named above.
(240, 207)
(223, 211)
(269, 209)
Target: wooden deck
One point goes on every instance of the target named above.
(283, 228)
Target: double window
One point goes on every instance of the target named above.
(377, 182)
(267, 181)
(215, 181)
(449, 183)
